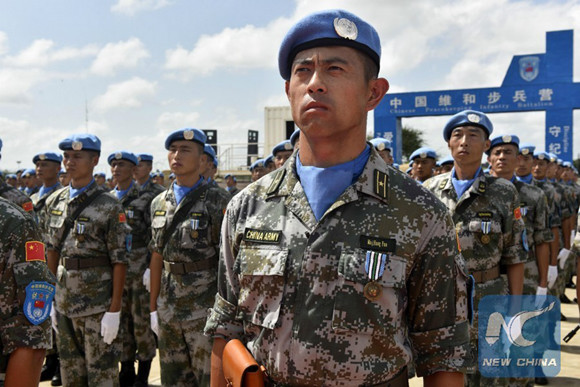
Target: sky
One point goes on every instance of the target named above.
(133, 71)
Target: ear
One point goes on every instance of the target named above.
(287, 88)
(377, 88)
(487, 145)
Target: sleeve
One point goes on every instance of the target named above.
(542, 233)
(221, 321)
(439, 301)
(20, 270)
(118, 233)
(513, 230)
(157, 227)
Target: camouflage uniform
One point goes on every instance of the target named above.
(186, 295)
(137, 336)
(84, 295)
(17, 271)
(534, 209)
(293, 289)
(16, 196)
(490, 204)
(39, 208)
(566, 210)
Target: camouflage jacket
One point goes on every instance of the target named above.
(298, 293)
(40, 211)
(100, 231)
(17, 271)
(16, 196)
(566, 199)
(554, 217)
(187, 296)
(534, 209)
(150, 186)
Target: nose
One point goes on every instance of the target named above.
(316, 83)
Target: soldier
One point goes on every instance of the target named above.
(207, 164)
(269, 165)
(258, 169)
(14, 195)
(384, 149)
(423, 163)
(30, 181)
(186, 220)
(26, 291)
(328, 264)
(87, 240)
(101, 179)
(231, 184)
(11, 179)
(136, 334)
(63, 178)
(294, 137)
(487, 216)
(281, 153)
(446, 164)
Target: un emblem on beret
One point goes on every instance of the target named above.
(42, 156)
(188, 134)
(139, 158)
(381, 146)
(345, 28)
(77, 145)
(287, 146)
(118, 155)
(473, 118)
(423, 155)
(525, 151)
(507, 138)
(541, 157)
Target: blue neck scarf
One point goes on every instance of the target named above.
(145, 184)
(121, 194)
(28, 190)
(44, 190)
(180, 191)
(74, 192)
(323, 186)
(462, 185)
(525, 179)
(542, 181)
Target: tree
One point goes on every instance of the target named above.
(412, 139)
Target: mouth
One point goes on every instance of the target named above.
(315, 106)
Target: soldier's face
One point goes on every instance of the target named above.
(258, 172)
(47, 170)
(525, 164)
(467, 144)
(423, 168)
(122, 171)
(503, 159)
(185, 158)
(79, 164)
(281, 158)
(328, 92)
(539, 169)
(551, 171)
(446, 168)
(386, 156)
(142, 170)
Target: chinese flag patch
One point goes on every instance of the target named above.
(35, 251)
(28, 206)
(518, 213)
(122, 218)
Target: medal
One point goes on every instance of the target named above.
(194, 226)
(485, 239)
(372, 291)
(485, 229)
(194, 234)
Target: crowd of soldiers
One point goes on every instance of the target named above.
(333, 267)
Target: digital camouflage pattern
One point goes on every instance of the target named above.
(136, 334)
(566, 199)
(554, 217)
(100, 231)
(15, 274)
(39, 209)
(534, 209)
(490, 203)
(293, 289)
(16, 196)
(185, 298)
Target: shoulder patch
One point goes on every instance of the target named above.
(481, 187)
(276, 181)
(38, 301)
(28, 206)
(380, 183)
(122, 217)
(517, 213)
(35, 251)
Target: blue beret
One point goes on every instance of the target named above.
(567, 164)
(228, 176)
(81, 141)
(61, 172)
(395, 165)
(122, 155)
(446, 160)
(208, 150)
(28, 172)
(559, 161)
(503, 139)
(541, 155)
(381, 144)
(144, 157)
(285, 145)
(527, 148)
(48, 156)
(328, 28)
(552, 157)
(189, 134)
(100, 174)
(257, 163)
(171, 175)
(20, 170)
(268, 160)
(409, 169)
(0, 144)
(294, 137)
(11, 176)
(467, 118)
(423, 153)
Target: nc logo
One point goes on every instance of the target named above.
(513, 328)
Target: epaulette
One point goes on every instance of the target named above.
(380, 186)
(276, 181)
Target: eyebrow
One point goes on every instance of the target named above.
(309, 61)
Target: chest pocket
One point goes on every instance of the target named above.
(194, 231)
(354, 311)
(261, 274)
(486, 231)
(56, 218)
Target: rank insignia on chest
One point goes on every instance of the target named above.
(380, 183)
(481, 187)
(374, 267)
(38, 301)
(443, 184)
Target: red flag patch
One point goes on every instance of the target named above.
(28, 206)
(122, 218)
(35, 251)
(518, 213)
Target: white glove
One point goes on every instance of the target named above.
(541, 291)
(541, 294)
(155, 323)
(552, 275)
(147, 279)
(563, 257)
(110, 326)
(53, 318)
